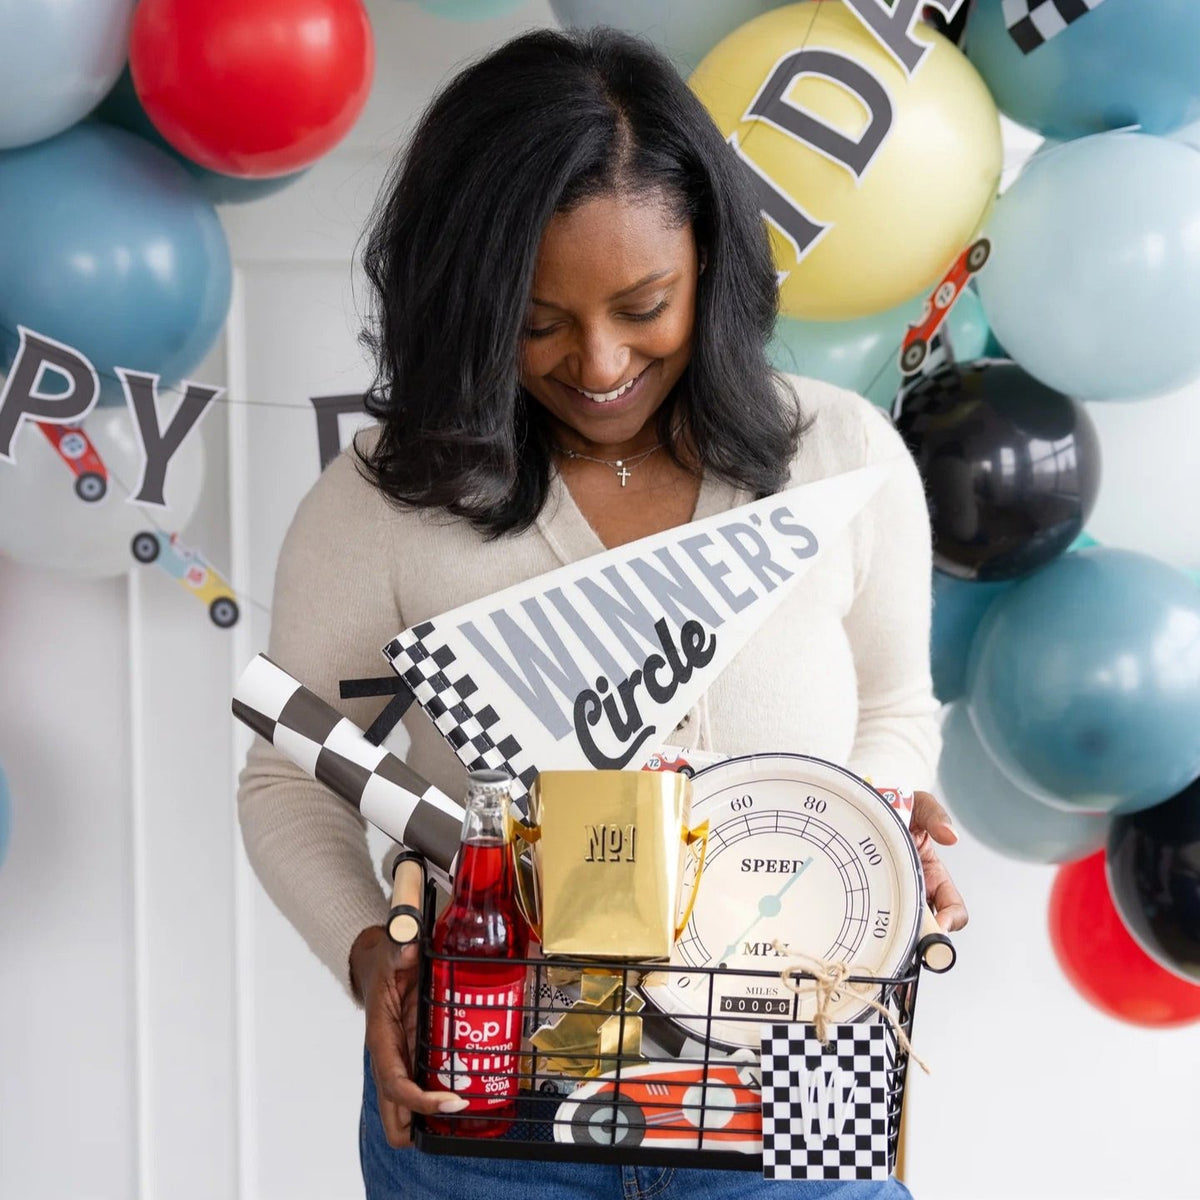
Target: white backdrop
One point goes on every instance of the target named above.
(165, 1035)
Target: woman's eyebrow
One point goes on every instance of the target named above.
(653, 277)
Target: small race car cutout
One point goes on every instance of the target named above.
(664, 760)
(938, 305)
(192, 572)
(665, 1106)
(75, 448)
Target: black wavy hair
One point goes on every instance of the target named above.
(537, 126)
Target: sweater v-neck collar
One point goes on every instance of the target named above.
(570, 537)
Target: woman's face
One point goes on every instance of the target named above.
(609, 329)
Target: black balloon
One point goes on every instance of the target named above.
(1154, 877)
(1011, 467)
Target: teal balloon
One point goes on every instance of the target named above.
(122, 108)
(469, 10)
(1000, 814)
(864, 354)
(5, 816)
(106, 244)
(57, 59)
(958, 608)
(967, 328)
(1125, 62)
(1084, 681)
(686, 30)
(1093, 284)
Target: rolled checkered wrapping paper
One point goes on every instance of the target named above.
(336, 752)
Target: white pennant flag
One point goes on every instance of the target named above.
(598, 660)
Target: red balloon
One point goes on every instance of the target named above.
(253, 88)
(1101, 959)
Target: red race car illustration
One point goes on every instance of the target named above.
(191, 571)
(667, 1106)
(941, 300)
(76, 450)
(664, 760)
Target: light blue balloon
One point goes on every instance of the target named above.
(469, 10)
(5, 816)
(57, 59)
(1127, 62)
(106, 244)
(1001, 815)
(1084, 681)
(685, 30)
(958, 609)
(1093, 284)
(864, 354)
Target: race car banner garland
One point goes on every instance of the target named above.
(584, 666)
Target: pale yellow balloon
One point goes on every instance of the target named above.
(922, 197)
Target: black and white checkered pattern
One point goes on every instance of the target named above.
(474, 729)
(1032, 23)
(825, 1108)
(335, 752)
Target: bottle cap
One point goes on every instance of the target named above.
(489, 783)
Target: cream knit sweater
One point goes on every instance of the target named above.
(840, 670)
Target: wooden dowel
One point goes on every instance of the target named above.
(940, 955)
(408, 888)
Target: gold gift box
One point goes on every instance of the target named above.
(609, 849)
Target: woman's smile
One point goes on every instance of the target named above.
(611, 403)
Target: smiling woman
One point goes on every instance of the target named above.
(573, 292)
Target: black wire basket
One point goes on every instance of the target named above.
(675, 1100)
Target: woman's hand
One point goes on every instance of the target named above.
(931, 823)
(384, 976)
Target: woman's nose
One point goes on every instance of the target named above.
(602, 362)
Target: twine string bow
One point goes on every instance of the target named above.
(828, 982)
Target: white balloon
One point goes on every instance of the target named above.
(43, 521)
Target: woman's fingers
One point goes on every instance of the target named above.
(397, 1124)
(391, 1064)
(931, 823)
(944, 897)
(397, 1114)
(929, 815)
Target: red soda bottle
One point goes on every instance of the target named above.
(476, 1017)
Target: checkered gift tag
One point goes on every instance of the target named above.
(1032, 23)
(825, 1108)
(451, 699)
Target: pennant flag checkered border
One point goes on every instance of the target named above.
(474, 730)
(1032, 23)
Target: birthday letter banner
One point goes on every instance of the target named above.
(584, 666)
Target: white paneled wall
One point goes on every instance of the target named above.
(165, 1035)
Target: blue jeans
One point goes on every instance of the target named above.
(409, 1174)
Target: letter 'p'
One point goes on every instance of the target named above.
(23, 395)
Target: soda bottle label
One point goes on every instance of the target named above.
(477, 1040)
